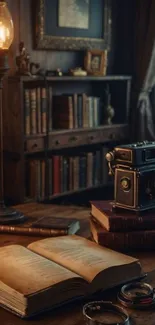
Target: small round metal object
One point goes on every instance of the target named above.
(125, 183)
(10, 216)
(109, 156)
(137, 295)
(104, 313)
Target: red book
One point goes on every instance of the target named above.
(56, 175)
(140, 240)
(121, 219)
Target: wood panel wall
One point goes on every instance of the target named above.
(121, 48)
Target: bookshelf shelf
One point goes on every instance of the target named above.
(89, 78)
(48, 157)
(34, 136)
(72, 78)
(87, 136)
(54, 196)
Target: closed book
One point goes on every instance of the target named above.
(43, 227)
(141, 240)
(54, 271)
(27, 112)
(121, 220)
(62, 113)
(33, 103)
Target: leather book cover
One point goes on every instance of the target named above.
(33, 105)
(141, 240)
(121, 219)
(54, 223)
(43, 227)
(56, 175)
(43, 110)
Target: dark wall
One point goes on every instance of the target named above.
(120, 57)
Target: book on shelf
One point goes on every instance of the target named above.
(121, 220)
(54, 271)
(49, 226)
(126, 241)
(75, 111)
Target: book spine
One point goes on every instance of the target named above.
(43, 110)
(56, 175)
(89, 169)
(50, 110)
(80, 111)
(84, 112)
(65, 168)
(43, 166)
(71, 117)
(38, 110)
(33, 111)
(127, 241)
(50, 177)
(75, 173)
(91, 112)
(75, 110)
(128, 224)
(27, 111)
(82, 172)
(70, 173)
(32, 231)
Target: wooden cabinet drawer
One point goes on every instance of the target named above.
(34, 145)
(114, 133)
(65, 140)
(93, 137)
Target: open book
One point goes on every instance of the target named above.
(52, 271)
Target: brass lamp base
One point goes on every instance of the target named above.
(10, 216)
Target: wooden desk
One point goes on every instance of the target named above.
(72, 314)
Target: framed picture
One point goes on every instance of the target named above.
(96, 62)
(71, 24)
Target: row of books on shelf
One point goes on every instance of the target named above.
(76, 111)
(44, 112)
(60, 174)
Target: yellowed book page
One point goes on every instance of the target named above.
(27, 272)
(80, 255)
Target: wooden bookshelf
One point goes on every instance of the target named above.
(20, 148)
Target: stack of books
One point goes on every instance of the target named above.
(122, 230)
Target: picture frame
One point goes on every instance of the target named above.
(95, 62)
(54, 31)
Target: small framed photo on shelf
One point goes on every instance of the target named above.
(96, 62)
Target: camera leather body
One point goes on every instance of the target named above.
(134, 176)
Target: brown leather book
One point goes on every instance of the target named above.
(63, 112)
(56, 175)
(141, 240)
(43, 227)
(121, 220)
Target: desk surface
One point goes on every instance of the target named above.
(72, 315)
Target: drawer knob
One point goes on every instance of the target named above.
(112, 136)
(91, 137)
(34, 146)
(72, 139)
(57, 142)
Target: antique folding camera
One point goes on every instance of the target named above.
(133, 167)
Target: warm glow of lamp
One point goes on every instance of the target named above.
(7, 215)
(6, 27)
